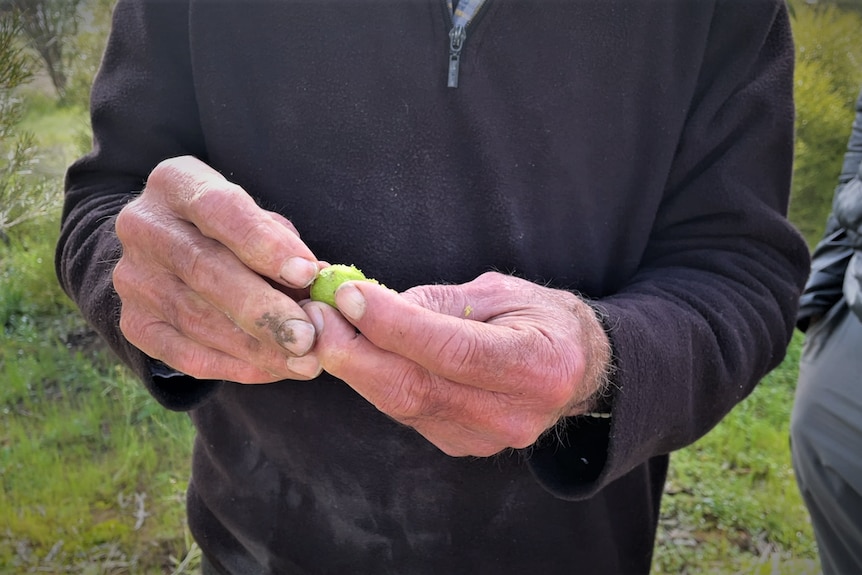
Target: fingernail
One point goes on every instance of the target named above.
(350, 301)
(298, 272)
(316, 317)
(306, 366)
(296, 336)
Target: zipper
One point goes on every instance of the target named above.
(457, 35)
(457, 39)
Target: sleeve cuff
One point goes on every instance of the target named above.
(568, 462)
(175, 390)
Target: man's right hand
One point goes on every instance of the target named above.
(209, 281)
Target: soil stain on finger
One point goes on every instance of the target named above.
(288, 333)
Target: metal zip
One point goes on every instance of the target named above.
(457, 38)
(457, 35)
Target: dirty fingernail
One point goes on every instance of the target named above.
(350, 301)
(296, 336)
(306, 366)
(298, 272)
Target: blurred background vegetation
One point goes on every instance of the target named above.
(829, 60)
(92, 471)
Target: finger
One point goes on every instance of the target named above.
(392, 383)
(212, 271)
(459, 419)
(200, 322)
(160, 340)
(491, 357)
(458, 441)
(224, 212)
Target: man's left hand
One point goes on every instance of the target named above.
(475, 368)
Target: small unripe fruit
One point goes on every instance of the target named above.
(328, 280)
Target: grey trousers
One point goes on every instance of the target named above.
(826, 438)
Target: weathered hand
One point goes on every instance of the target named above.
(475, 368)
(209, 281)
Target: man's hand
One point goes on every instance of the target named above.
(475, 368)
(209, 281)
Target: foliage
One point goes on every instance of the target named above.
(86, 49)
(92, 471)
(88, 443)
(731, 503)
(22, 197)
(828, 79)
(850, 5)
(61, 133)
(49, 25)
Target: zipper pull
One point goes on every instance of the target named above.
(456, 42)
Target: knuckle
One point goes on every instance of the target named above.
(522, 437)
(255, 313)
(508, 424)
(259, 244)
(468, 354)
(434, 296)
(165, 173)
(190, 318)
(121, 277)
(407, 397)
(195, 262)
(135, 223)
(129, 327)
(141, 333)
(214, 198)
(124, 222)
(216, 202)
(402, 407)
(534, 368)
(191, 361)
(558, 391)
(514, 430)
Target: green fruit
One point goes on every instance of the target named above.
(328, 280)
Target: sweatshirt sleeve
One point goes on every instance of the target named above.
(712, 306)
(143, 110)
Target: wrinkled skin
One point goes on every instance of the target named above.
(474, 385)
(210, 282)
(216, 287)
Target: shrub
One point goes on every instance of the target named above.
(828, 79)
(23, 196)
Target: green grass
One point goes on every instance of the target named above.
(93, 471)
(732, 504)
(62, 132)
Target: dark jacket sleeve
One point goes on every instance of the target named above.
(712, 307)
(834, 250)
(128, 142)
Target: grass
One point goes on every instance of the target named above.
(62, 132)
(93, 471)
(731, 503)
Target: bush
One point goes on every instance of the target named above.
(23, 196)
(827, 81)
(86, 51)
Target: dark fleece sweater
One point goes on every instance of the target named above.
(638, 152)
